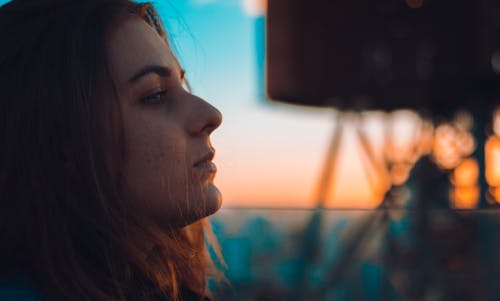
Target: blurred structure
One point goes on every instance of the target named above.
(433, 237)
(388, 54)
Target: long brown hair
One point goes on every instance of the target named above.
(63, 218)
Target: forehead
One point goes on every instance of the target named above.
(132, 44)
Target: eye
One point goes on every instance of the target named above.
(155, 98)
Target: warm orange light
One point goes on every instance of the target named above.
(404, 128)
(445, 149)
(465, 143)
(466, 174)
(426, 138)
(465, 197)
(466, 192)
(492, 161)
(400, 173)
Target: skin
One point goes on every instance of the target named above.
(167, 129)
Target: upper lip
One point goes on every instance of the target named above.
(207, 157)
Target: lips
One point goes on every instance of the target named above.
(205, 165)
(207, 158)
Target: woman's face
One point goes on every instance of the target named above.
(168, 168)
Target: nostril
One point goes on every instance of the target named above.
(208, 129)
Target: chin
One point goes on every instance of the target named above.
(213, 200)
(205, 204)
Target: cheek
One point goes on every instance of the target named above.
(156, 166)
(160, 180)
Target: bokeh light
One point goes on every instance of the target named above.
(452, 142)
(492, 161)
(445, 149)
(465, 197)
(466, 173)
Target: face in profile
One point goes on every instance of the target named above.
(168, 170)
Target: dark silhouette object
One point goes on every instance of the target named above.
(434, 55)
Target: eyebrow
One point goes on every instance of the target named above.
(157, 69)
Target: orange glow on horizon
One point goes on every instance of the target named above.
(286, 172)
(286, 185)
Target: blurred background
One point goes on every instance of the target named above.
(381, 184)
(359, 157)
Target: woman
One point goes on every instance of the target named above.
(106, 166)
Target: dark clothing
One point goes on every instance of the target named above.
(16, 286)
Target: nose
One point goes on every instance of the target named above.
(205, 118)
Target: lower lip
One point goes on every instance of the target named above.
(208, 167)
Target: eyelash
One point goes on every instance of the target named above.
(157, 97)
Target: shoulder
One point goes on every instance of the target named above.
(18, 288)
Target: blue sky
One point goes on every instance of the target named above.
(214, 41)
